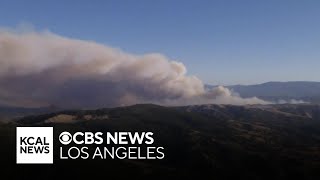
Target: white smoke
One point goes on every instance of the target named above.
(291, 101)
(42, 68)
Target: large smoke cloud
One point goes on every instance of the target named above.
(42, 68)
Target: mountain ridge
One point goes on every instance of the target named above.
(308, 91)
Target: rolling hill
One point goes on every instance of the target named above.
(204, 141)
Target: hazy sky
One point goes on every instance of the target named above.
(228, 42)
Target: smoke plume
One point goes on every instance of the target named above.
(42, 68)
(291, 101)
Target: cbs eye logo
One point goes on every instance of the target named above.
(65, 138)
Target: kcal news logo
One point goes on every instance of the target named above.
(34, 145)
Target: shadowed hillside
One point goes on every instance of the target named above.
(205, 141)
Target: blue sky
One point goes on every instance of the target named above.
(221, 42)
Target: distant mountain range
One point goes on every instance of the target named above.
(271, 91)
(275, 91)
